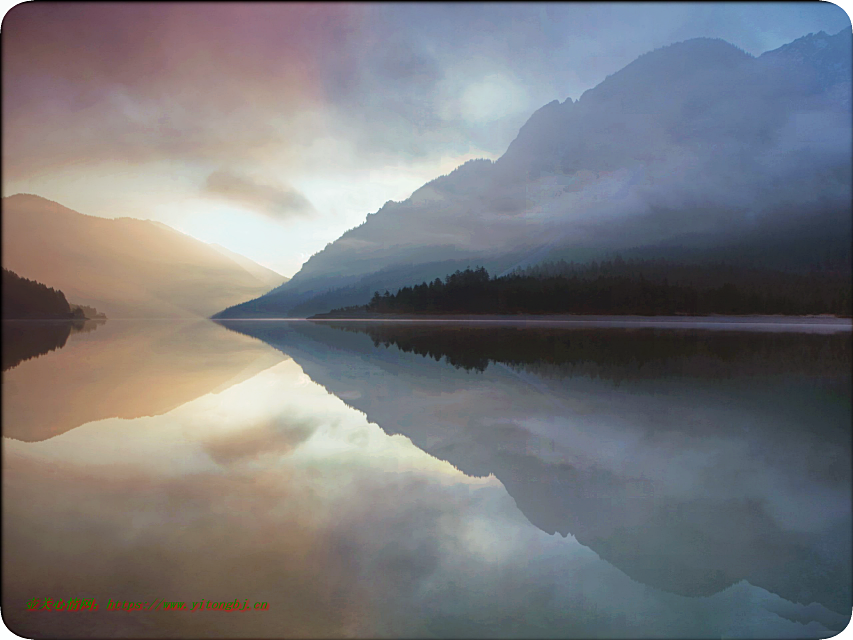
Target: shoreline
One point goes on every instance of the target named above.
(819, 323)
(718, 318)
(791, 324)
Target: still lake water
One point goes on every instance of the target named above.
(429, 479)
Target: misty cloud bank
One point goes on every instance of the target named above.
(695, 147)
(352, 104)
(386, 82)
(278, 202)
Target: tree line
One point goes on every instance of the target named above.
(28, 299)
(619, 287)
(25, 299)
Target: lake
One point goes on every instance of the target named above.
(599, 478)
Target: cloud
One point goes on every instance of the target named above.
(275, 437)
(87, 83)
(281, 202)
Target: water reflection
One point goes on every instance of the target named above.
(273, 487)
(690, 460)
(26, 339)
(125, 369)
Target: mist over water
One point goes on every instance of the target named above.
(400, 479)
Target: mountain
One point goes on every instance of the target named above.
(125, 267)
(269, 277)
(696, 152)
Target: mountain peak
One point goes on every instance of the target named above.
(673, 63)
(812, 43)
(23, 197)
(692, 146)
(29, 203)
(824, 58)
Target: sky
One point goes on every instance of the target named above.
(271, 128)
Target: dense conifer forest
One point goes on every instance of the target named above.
(28, 299)
(620, 287)
(25, 299)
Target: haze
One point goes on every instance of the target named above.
(271, 129)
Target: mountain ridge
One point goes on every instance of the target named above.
(126, 267)
(696, 148)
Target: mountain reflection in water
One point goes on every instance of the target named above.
(689, 459)
(699, 481)
(125, 369)
(27, 339)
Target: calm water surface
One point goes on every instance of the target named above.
(595, 479)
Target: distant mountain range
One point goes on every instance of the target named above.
(697, 152)
(125, 267)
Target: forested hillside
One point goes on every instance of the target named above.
(28, 299)
(633, 287)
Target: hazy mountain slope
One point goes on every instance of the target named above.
(122, 370)
(123, 267)
(695, 149)
(265, 275)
